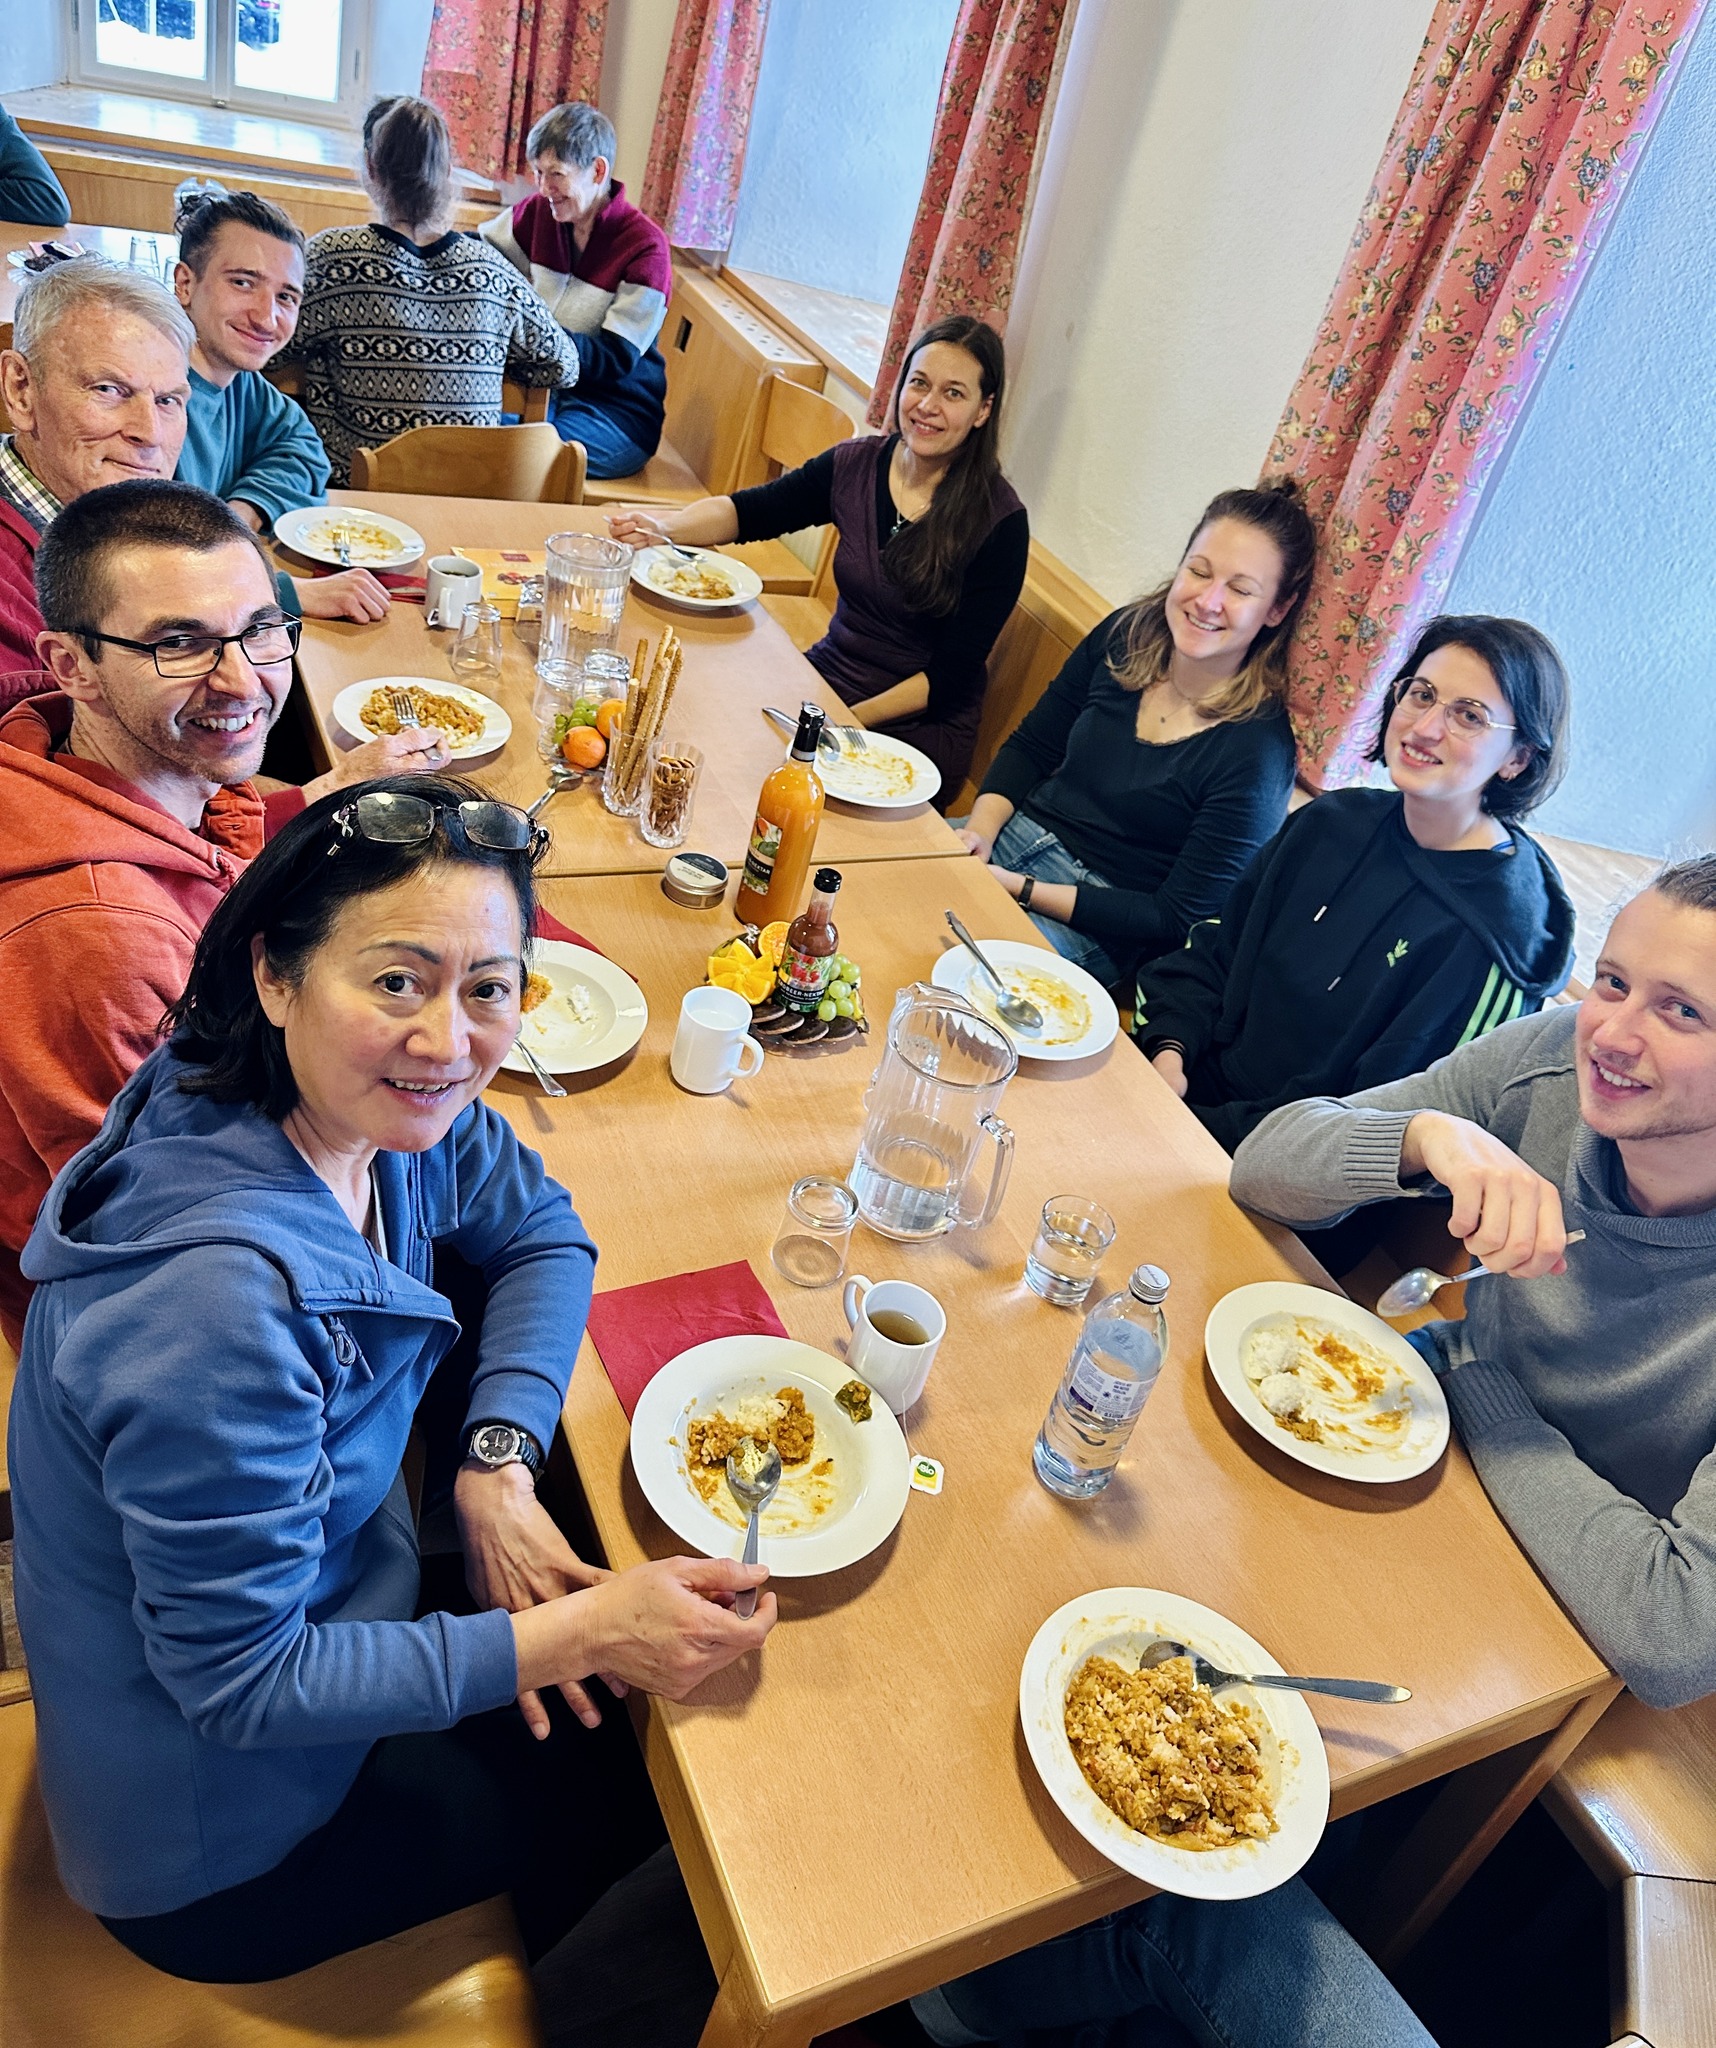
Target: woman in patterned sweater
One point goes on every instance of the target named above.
(406, 322)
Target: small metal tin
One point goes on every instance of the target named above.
(695, 881)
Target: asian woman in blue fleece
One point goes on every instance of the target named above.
(253, 1755)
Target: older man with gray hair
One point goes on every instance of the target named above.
(606, 273)
(95, 385)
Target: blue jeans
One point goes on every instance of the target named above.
(609, 449)
(1030, 849)
(1277, 1971)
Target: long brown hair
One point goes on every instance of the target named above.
(408, 162)
(928, 558)
(1147, 645)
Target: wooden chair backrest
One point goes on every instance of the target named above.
(799, 423)
(529, 465)
(721, 357)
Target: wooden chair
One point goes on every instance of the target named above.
(1637, 1799)
(798, 424)
(525, 464)
(65, 1982)
(529, 401)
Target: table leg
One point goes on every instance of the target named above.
(735, 2022)
(1460, 1827)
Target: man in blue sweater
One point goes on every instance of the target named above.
(240, 277)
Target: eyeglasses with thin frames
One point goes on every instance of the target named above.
(188, 657)
(1465, 714)
(397, 818)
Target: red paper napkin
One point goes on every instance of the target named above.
(638, 1329)
(408, 589)
(548, 926)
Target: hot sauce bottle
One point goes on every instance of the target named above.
(807, 959)
(789, 809)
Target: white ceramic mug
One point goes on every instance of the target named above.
(712, 1047)
(452, 584)
(887, 1367)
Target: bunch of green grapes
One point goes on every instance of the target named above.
(842, 999)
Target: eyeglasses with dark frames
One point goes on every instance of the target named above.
(187, 657)
(1465, 714)
(396, 818)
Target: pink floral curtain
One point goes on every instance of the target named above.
(494, 67)
(995, 93)
(1515, 139)
(697, 152)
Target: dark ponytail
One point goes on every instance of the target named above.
(408, 162)
(928, 558)
(202, 210)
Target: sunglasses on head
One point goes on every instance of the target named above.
(395, 818)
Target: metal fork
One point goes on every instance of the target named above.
(829, 743)
(404, 708)
(343, 548)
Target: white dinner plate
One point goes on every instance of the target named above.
(497, 726)
(596, 1013)
(869, 1482)
(1121, 1622)
(888, 775)
(1237, 1314)
(312, 533)
(1079, 1017)
(653, 567)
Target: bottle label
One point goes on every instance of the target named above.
(802, 981)
(761, 855)
(1110, 1400)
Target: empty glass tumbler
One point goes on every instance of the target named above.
(1071, 1239)
(810, 1249)
(476, 655)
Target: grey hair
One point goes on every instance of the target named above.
(89, 284)
(1690, 882)
(575, 134)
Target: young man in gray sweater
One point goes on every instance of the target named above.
(1584, 1384)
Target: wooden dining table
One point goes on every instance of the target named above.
(113, 243)
(736, 661)
(854, 1808)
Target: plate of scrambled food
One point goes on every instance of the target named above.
(474, 724)
(1079, 1017)
(579, 1010)
(1211, 1795)
(845, 1469)
(705, 582)
(888, 775)
(1327, 1382)
(372, 539)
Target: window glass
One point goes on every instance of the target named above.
(168, 37)
(290, 46)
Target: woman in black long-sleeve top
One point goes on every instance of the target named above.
(1124, 807)
(932, 546)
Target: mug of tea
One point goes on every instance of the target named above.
(895, 1330)
(712, 1047)
(451, 583)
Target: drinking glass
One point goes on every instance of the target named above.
(669, 787)
(618, 801)
(1068, 1248)
(476, 655)
(810, 1248)
(559, 686)
(584, 595)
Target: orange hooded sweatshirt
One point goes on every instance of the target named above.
(103, 896)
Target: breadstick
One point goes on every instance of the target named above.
(632, 757)
(639, 654)
(637, 715)
(655, 721)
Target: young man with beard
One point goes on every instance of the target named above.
(126, 809)
(1582, 1385)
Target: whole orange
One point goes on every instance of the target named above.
(583, 748)
(606, 714)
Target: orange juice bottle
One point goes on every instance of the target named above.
(783, 839)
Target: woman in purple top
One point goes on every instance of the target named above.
(932, 545)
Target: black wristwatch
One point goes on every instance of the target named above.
(500, 1443)
(1027, 888)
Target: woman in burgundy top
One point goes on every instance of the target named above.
(932, 545)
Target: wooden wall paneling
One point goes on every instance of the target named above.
(720, 355)
(1667, 1988)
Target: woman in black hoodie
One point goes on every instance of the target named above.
(1380, 929)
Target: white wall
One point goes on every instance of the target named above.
(398, 39)
(634, 63)
(32, 48)
(1205, 170)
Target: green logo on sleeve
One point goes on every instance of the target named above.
(1397, 952)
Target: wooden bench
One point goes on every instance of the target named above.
(65, 1982)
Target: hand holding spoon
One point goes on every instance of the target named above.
(753, 1474)
(1415, 1290)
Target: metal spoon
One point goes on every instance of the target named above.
(550, 1086)
(559, 778)
(753, 1495)
(1415, 1289)
(1211, 1675)
(1013, 1010)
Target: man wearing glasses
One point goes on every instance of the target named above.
(126, 807)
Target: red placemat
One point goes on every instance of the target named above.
(399, 583)
(638, 1329)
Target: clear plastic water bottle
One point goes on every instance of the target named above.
(1103, 1390)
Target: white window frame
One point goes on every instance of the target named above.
(220, 88)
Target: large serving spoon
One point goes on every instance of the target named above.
(1011, 1009)
(1416, 1289)
(753, 1492)
(1215, 1678)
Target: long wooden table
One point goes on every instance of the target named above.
(853, 1808)
(735, 662)
(113, 243)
